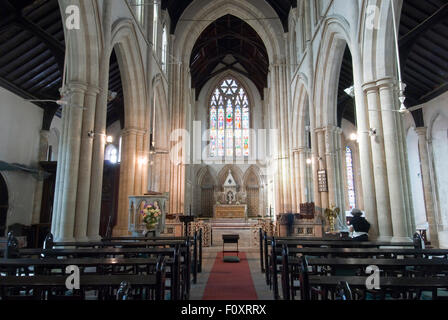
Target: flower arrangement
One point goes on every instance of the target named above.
(151, 214)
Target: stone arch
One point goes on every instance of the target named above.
(199, 14)
(83, 46)
(335, 37)
(379, 57)
(125, 42)
(205, 177)
(292, 39)
(207, 185)
(253, 186)
(300, 107)
(236, 173)
(161, 120)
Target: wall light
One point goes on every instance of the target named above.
(354, 136)
(309, 161)
(109, 139)
(142, 160)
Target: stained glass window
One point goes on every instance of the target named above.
(350, 178)
(229, 120)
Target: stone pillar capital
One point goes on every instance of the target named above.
(385, 83)
(133, 131)
(369, 87)
(421, 131)
(77, 87)
(93, 90)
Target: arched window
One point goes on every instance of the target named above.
(229, 120)
(164, 48)
(350, 178)
(111, 154)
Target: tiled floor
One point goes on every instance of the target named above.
(253, 257)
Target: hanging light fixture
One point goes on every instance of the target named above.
(401, 85)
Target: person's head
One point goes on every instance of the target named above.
(356, 213)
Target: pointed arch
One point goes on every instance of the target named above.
(199, 14)
(130, 61)
(236, 173)
(335, 37)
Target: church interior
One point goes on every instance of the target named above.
(223, 150)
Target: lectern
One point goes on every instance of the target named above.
(186, 221)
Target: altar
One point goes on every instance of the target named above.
(221, 211)
(230, 203)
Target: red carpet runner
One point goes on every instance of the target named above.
(230, 281)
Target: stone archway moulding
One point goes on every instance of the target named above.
(201, 13)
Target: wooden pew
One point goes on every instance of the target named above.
(297, 268)
(137, 242)
(179, 270)
(317, 242)
(195, 242)
(103, 266)
(275, 261)
(44, 286)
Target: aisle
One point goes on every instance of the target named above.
(230, 281)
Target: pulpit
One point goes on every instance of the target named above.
(136, 205)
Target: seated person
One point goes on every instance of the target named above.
(359, 226)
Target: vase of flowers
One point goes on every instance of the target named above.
(151, 214)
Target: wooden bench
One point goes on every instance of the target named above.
(45, 287)
(273, 242)
(297, 268)
(179, 269)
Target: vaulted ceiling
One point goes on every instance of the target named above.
(423, 43)
(32, 52)
(229, 43)
(177, 7)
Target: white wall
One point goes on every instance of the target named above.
(435, 115)
(20, 124)
(415, 175)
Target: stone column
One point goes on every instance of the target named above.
(339, 151)
(42, 156)
(322, 165)
(85, 163)
(330, 156)
(62, 155)
(366, 164)
(304, 191)
(427, 187)
(394, 169)
(297, 178)
(379, 163)
(68, 185)
(129, 165)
